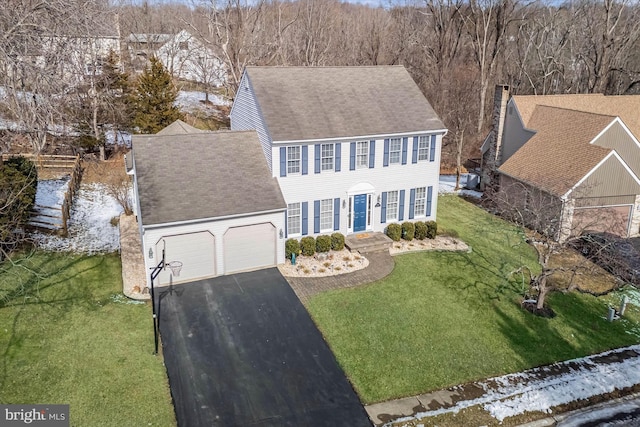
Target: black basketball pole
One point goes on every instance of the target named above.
(156, 270)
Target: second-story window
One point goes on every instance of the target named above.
(362, 154)
(326, 157)
(293, 159)
(423, 148)
(395, 150)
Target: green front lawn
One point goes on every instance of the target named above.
(442, 319)
(68, 335)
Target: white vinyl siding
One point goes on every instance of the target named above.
(326, 157)
(293, 218)
(392, 206)
(326, 215)
(423, 148)
(362, 154)
(293, 160)
(421, 200)
(395, 150)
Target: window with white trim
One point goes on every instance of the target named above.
(392, 206)
(362, 154)
(293, 218)
(421, 200)
(423, 147)
(395, 150)
(293, 159)
(326, 157)
(326, 215)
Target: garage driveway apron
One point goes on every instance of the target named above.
(241, 350)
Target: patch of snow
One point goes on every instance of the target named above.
(447, 184)
(540, 389)
(118, 138)
(90, 229)
(191, 100)
(50, 192)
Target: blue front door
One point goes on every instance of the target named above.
(359, 212)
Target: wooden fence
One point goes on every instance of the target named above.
(59, 221)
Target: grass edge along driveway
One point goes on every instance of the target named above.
(69, 336)
(441, 319)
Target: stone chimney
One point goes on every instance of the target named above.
(492, 159)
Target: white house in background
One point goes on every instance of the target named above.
(208, 200)
(353, 148)
(186, 57)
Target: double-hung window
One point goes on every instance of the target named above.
(395, 150)
(392, 206)
(421, 199)
(326, 157)
(293, 159)
(326, 215)
(362, 154)
(423, 147)
(293, 218)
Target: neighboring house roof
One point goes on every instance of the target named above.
(179, 128)
(559, 155)
(624, 106)
(307, 103)
(191, 176)
(149, 38)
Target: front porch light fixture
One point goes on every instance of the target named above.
(281, 233)
(378, 202)
(344, 203)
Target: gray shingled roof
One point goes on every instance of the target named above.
(300, 103)
(202, 175)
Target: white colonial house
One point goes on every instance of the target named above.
(311, 151)
(353, 148)
(187, 57)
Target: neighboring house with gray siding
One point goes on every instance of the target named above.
(353, 148)
(581, 150)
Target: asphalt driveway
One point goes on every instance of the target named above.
(241, 350)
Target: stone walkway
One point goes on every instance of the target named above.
(380, 265)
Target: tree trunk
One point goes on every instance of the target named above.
(542, 291)
(459, 159)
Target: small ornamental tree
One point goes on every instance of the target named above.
(154, 99)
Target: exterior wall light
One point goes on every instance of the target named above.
(281, 233)
(150, 253)
(378, 202)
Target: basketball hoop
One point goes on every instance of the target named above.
(175, 267)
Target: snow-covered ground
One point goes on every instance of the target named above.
(448, 185)
(90, 229)
(194, 100)
(540, 389)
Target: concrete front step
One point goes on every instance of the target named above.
(368, 242)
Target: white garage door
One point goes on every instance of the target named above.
(249, 247)
(196, 252)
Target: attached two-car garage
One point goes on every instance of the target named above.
(240, 248)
